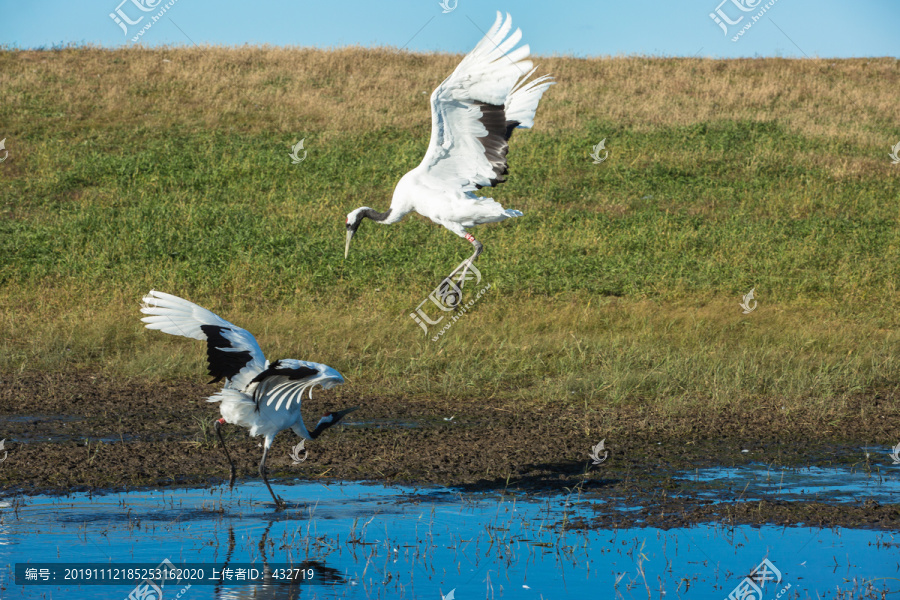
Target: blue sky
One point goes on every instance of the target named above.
(581, 28)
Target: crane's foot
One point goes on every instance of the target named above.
(279, 503)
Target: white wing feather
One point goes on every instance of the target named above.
(281, 386)
(492, 73)
(177, 316)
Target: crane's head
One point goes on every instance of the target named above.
(354, 218)
(330, 420)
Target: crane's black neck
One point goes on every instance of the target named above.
(330, 420)
(319, 430)
(374, 215)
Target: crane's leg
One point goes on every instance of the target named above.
(478, 248)
(468, 262)
(218, 424)
(279, 503)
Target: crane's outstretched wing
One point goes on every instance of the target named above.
(232, 352)
(286, 380)
(474, 111)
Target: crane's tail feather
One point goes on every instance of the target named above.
(239, 409)
(233, 397)
(509, 212)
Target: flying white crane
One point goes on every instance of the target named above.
(473, 114)
(260, 396)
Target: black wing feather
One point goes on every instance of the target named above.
(496, 142)
(275, 370)
(222, 364)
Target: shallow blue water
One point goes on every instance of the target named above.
(371, 541)
(822, 484)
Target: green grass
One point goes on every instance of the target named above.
(620, 285)
(207, 209)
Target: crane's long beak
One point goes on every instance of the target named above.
(347, 247)
(340, 414)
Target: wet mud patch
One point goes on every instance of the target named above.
(82, 431)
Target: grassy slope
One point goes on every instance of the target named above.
(620, 285)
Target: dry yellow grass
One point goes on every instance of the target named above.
(290, 89)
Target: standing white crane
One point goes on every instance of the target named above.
(260, 396)
(473, 114)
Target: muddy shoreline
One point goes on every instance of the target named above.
(81, 431)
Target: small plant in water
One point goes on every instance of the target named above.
(96, 451)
